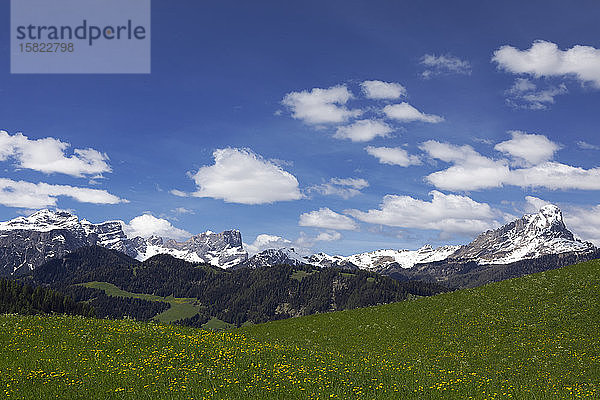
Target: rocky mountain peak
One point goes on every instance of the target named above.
(531, 236)
(43, 221)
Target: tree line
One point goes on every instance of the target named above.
(234, 296)
(19, 298)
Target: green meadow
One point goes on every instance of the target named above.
(180, 308)
(534, 337)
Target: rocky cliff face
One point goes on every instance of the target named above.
(532, 236)
(26, 242)
(223, 249)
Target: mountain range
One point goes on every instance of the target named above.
(27, 242)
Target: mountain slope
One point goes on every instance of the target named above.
(528, 238)
(27, 242)
(234, 296)
(529, 338)
(223, 249)
(532, 236)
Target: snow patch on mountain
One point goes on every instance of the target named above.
(26, 242)
(43, 221)
(532, 236)
(23, 233)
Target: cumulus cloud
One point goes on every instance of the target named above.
(148, 225)
(321, 106)
(556, 176)
(241, 176)
(327, 219)
(30, 195)
(528, 149)
(379, 90)
(343, 187)
(265, 241)
(473, 171)
(584, 221)
(525, 94)
(302, 245)
(393, 156)
(404, 112)
(49, 156)
(545, 59)
(448, 213)
(534, 204)
(444, 64)
(363, 130)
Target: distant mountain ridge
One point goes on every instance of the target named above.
(26, 242)
(235, 296)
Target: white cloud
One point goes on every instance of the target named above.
(179, 193)
(472, 171)
(48, 156)
(393, 156)
(533, 204)
(363, 131)
(343, 187)
(379, 90)
(327, 219)
(528, 149)
(584, 222)
(321, 106)
(444, 64)
(556, 176)
(39, 195)
(302, 245)
(525, 94)
(545, 59)
(148, 225)
(356, 183)
(446, 213)
(182, 211)
(265, 241)
(329, 236)
(406, 113)
(587, 146)
(241, 176)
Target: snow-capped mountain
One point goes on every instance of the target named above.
(26, 242)
(270, 257)
(223, 249)
(530, 237)
(380, 260)
(377, 261)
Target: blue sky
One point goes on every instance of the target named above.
(250, 111)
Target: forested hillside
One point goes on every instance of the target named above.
(19, 298)
(235, 297)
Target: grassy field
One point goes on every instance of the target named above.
(529, 338)
(179, 307)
